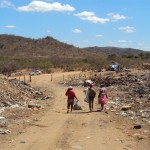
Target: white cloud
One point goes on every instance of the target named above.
(99, 35)
(5, 4)
(49, 31)
(127, 29)
(115, 17)
(122, 41)
(76, 31)
(40, 6)
(90, 16)
(10, 26)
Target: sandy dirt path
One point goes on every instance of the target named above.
(80, 130)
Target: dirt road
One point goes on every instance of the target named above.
(80, 130)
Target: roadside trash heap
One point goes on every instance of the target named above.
(135, 102)
(17, 95)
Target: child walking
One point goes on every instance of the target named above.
(102, 96)
(92, 95)
(71, 96)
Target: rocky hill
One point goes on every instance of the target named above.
(114, 50)
(11, 45)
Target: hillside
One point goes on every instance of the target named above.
(11, 45)
(18, 52)
(114, 50)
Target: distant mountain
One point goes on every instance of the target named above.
(114, 50)
(11, 45)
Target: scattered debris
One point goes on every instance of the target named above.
(137, 126)
(134, 103)
(4, 131)
(16, 99)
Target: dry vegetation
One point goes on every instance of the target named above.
(18, 52)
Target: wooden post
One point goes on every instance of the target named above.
(29, 78)
(24, 79)
(51, 77)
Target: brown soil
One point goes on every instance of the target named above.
(53, 129)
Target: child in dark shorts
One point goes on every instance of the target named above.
(92, 95)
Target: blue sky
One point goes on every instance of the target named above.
(82, 23)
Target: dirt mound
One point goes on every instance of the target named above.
(17, 92)
(18, 100)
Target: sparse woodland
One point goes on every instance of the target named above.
(18, 52)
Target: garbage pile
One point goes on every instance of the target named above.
(135, 102)
(17, 95)
(136, 85)
(14, 91)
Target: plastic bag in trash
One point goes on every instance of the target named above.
(77, 106)
(86, 91)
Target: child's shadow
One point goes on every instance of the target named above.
(87, 112)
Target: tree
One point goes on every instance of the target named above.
(112, 57)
